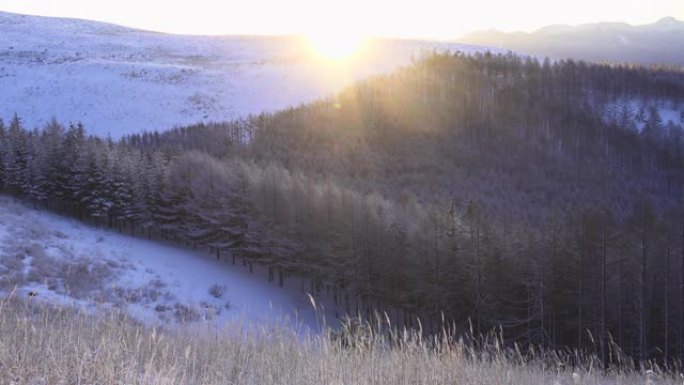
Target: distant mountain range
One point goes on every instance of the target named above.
(661, 42)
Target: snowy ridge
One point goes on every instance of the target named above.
(118, 80)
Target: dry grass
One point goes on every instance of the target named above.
(44, 345)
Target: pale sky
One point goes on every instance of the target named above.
(407, 18)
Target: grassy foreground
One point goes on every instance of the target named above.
(46, 345)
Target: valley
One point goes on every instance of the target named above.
(341, 207)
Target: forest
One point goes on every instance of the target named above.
(488, 192)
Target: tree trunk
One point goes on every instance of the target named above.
(580, 331)
(667, 297)
(479, 272)
(603, 295)
(620, 299)
(541, 291)
(642, 310)
(681, 298)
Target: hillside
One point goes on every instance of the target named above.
(656, 43)
(484, 191)
(120, 81)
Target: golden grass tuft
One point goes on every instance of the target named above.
(41, 344)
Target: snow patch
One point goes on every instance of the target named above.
(66, 262)
(636, 112)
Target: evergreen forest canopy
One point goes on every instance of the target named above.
(491, 191)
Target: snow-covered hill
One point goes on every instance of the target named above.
(117, 80)
(64, 261)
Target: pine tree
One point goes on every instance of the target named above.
(14, 158)
(3, 149)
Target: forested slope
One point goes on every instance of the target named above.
(544, 198)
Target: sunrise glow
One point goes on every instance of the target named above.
(335, 46)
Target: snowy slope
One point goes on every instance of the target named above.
(67, 262)
(118, 80)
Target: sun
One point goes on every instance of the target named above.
(336, 46)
